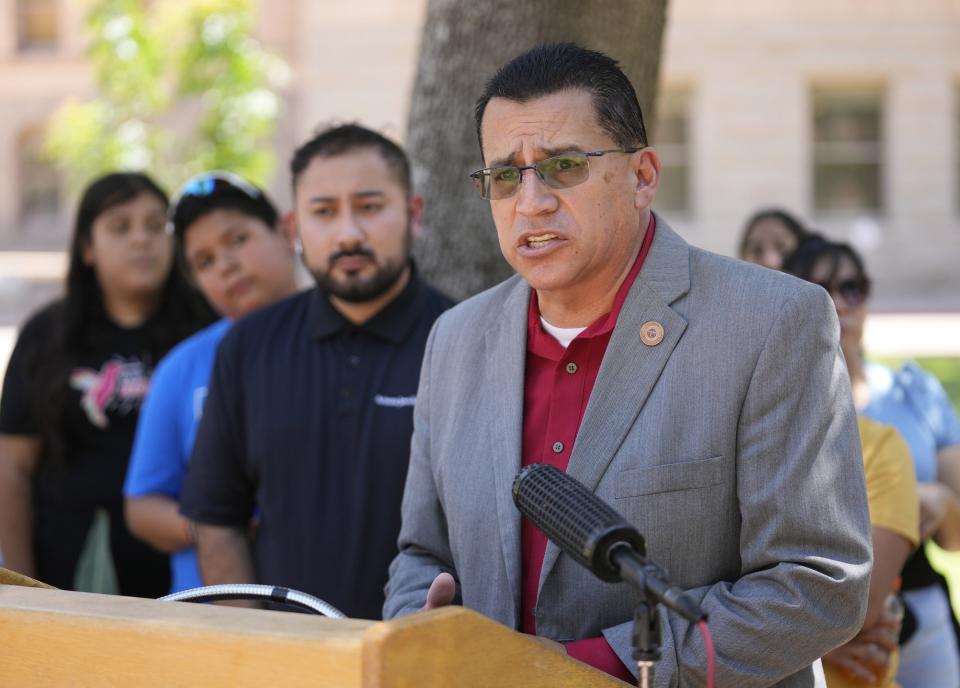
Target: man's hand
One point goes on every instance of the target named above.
(885, 633)
(860, 661)
(441, 592)
(867, 656)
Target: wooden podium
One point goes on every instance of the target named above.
(58, 638)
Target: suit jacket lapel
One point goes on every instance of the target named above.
(630, 368)
(502, 403)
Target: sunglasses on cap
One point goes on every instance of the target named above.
(206, 184)
(853, 291)
(558, 172)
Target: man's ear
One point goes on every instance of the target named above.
(415, 212)
(287, 225)
(646, 166)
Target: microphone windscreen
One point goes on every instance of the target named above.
(580, 523)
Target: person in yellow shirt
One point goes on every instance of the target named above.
(870, 658)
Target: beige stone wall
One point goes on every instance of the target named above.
(749, 67)
(347, 61)
(350, 61)
(31, 86)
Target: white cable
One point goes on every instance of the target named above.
(273, 593)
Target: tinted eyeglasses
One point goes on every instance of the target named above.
(558, 172)
(206, 184)
(853, 291)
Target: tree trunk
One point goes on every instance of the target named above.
(462, 44)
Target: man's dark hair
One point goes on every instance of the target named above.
(553, 67)
(348, 137)
(249, 200)
(191, 208)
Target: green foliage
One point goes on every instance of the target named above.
(186, 62)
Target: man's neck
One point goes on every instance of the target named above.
(360, 312)
(571, 310)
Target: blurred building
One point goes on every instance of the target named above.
(847, 113)
(42, 62)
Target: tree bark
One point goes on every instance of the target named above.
(463, 42)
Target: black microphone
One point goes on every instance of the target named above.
(588, 529)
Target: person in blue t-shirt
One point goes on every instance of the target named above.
(230, 240)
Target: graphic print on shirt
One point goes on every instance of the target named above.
(395, 402)
(118, 387)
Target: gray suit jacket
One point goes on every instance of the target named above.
(731, 445)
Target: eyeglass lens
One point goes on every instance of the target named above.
(558, 172)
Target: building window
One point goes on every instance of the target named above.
(39, 180)
(671, 138)
(37, 25)
(848, 149)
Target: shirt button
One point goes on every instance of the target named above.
(353, 360)
(346, 392)
(557, 447)
(571, 367)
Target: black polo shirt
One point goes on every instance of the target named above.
(308, 419)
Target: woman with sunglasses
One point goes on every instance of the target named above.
(231, 242)
(74, 385)
(914, 403)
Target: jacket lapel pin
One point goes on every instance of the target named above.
(651, 333)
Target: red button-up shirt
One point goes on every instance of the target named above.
(557, 387)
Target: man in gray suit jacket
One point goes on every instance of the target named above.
(702, 397)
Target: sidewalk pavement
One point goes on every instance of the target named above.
(912, 335)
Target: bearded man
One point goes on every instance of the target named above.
(307, 426)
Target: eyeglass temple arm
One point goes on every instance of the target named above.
(597, 154)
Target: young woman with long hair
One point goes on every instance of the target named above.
(74, 384)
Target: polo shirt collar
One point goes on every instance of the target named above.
(392, 323)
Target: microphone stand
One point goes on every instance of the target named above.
(588, 529)
(646, 619)
(646, 640)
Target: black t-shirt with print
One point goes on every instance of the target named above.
(104, 392)
(105, 389)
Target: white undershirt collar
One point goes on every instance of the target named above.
(564, 335)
